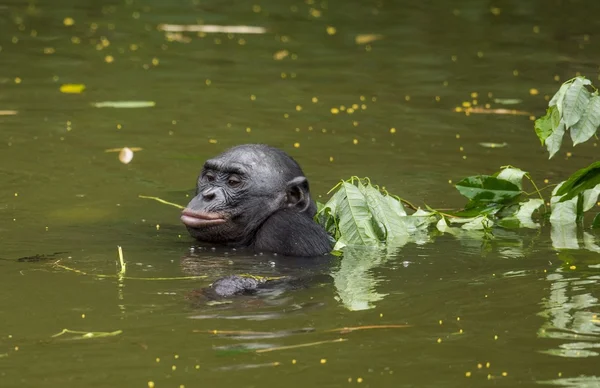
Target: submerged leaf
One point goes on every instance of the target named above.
(586, 127)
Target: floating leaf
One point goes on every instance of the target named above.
(72, 88)
(586, 127)
(575, 101)
(485, 188)
(124, 104)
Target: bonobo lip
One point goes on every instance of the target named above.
(195, 219)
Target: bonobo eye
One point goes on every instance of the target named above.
(209, 177)
(234, 181)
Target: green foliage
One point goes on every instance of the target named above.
(573, 108)
(360, 214)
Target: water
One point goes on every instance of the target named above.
(507, 312)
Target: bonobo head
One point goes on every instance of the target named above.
(240, 189)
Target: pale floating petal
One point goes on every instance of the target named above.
(208, 28)
(367, 38)
(8, 112)
(124, 104)
(126, 155)
(279, 55)
(72, 88)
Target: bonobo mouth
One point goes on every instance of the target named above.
(196, 219)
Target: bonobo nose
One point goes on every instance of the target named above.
(209, 194)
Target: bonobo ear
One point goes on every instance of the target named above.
(297, 193)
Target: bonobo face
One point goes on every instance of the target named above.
(239, 189)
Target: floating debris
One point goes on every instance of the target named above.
(72, 88)
(493, 145)
(367, 38)
(8, 112)
(209, 28)
(507, 101)
(124, 104)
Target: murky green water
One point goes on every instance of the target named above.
(507, 313)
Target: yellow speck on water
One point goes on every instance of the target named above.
(349, 379)
(150, 384)
(212, 141)
(49, 50)
(176, 356)
(197, 367)
(294, 361)
(46, 228)
(174, 122)
(439, 341)
(296, 145)
(466, 104)
(119, 126)
(355, 123)
(480, 54)
(16, 194)
(18, 80)
(407, 97)
(437, 98)
(286, 115)
(208, 82)
(468, 374)
(252, 97)
(461, 149)
(479, 366)
(380, 315)
(157, 359)
(248, 129)
(174, 367)
(75, 40)
(335, 111)
(331, 158)
(569, 154)
(355, 141)
(109, 59)
(359, 380)
(536, 29)
(256, 8)
(495, 337)
(454, 58)
(572, 267)
(532, 118)
(298, 108)
(72, 88)
(487, 365)
(458, 318)
(504, 374)
(315, 100)
(534, 91)
(464, 157)
(82, 316)
(495, 11)
(155, 61)
(450, 181)
(323, 361)
(557, 77)
(392, 130)
(331, 30)
(474, 94)
(68, 21)
(515, 73)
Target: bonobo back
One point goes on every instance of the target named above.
(257, 196)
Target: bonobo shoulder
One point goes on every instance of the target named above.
(289, 233)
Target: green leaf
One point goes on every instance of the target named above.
(584, 179)
(554, 141)
(513, 175)
(586, 127)
(563, 212)
(590, 197)
(596, 222)
(385, 212)
(354, 217)
(478, 223)
(558, 98)
(524, 215)
(575, 102)
(485, 188)
(543, 125)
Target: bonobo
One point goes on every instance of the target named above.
(256, 196)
